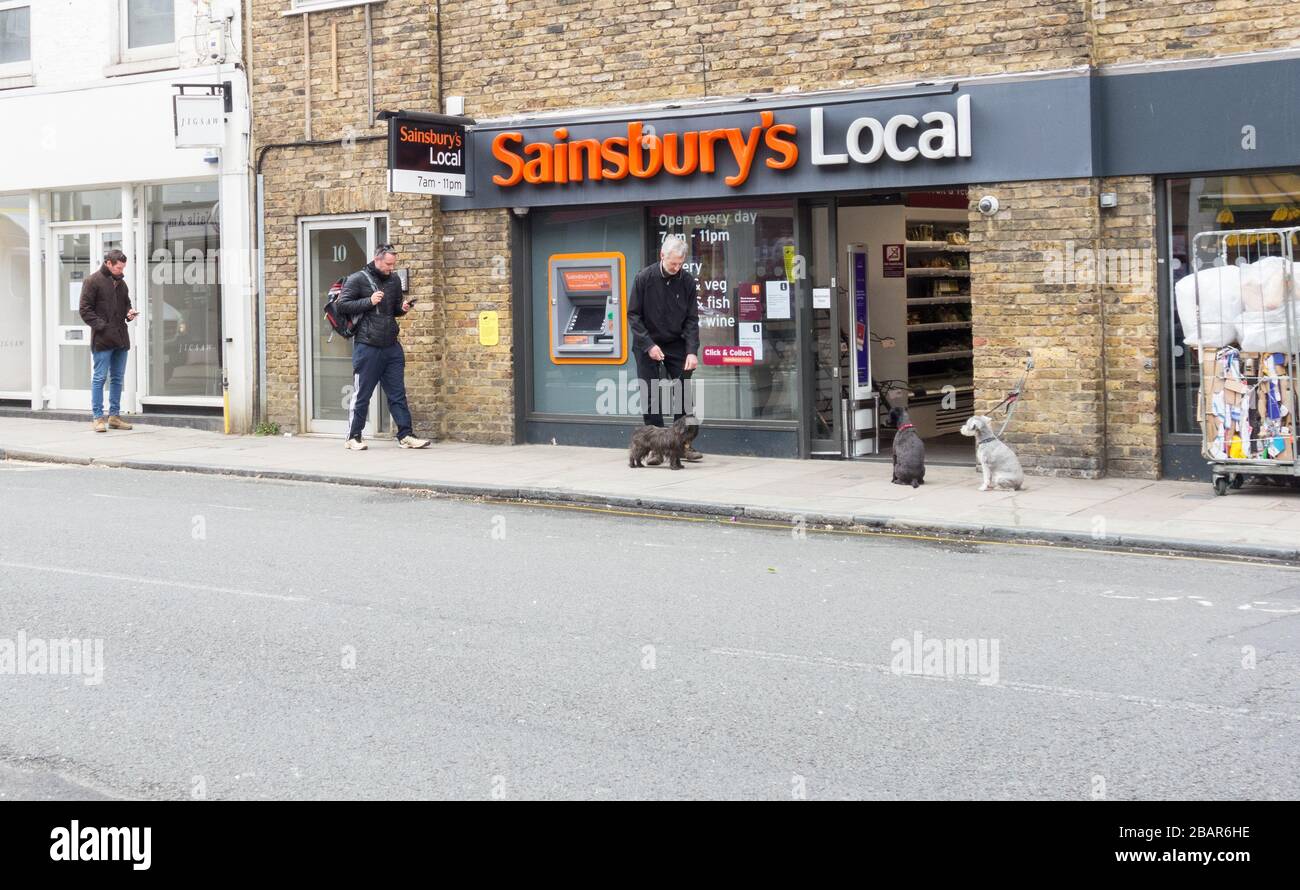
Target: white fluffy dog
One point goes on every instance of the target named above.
(998, 462)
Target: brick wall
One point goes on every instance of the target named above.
(349, 177)
(592, 52)
(1161, 30)
(1055, 275)
(1023, 302)
(1132, 330)
(324, 181)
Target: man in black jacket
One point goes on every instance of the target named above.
(375, 294)
(106, 307)
(665, 321)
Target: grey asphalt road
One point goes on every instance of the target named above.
(279, 640)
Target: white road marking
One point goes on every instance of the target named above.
(1258, 606)
(228, 507)
(1018, 686)
(186, 585)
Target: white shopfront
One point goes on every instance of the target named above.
(89, 162)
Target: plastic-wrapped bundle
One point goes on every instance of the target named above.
(1266, 301)
(1266, 331)
(1263, 285)
(1220, 298)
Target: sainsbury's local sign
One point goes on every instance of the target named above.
(640, 151)
(927, 136)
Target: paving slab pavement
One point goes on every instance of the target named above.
(1258, 521)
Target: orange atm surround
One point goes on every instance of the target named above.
(590, 276)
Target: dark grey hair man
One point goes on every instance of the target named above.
(665, 321)
(375, 295)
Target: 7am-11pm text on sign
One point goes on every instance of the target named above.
(435, 184)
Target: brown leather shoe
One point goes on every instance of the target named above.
(691, 454)
(99, 425)
(117, 423)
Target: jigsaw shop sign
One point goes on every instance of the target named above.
(639, 150)
(426, 158)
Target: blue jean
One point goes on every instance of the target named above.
(372, 365)
(110, 363)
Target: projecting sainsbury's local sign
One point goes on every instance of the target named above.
(925, 137)
(426, 156)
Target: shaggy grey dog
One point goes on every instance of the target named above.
(670, 443)
(909, 450)
(997, 461)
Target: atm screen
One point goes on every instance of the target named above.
(587, 319)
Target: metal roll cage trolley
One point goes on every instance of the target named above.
(1249, 399)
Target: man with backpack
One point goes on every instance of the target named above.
(372, 298)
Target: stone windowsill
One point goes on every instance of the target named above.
(328, 5)
(143, 66)
(16, 81)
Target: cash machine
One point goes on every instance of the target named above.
(587, 300)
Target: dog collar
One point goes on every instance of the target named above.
(906, 426)
(986, 441)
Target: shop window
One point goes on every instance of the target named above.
(744, 261)
(15, 298)
(184, 249)
(148, 28)
(1214, 203)
(85, 206)
(15, 37)
(576, 388)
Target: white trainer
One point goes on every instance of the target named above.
(355, 445)
(413, 442)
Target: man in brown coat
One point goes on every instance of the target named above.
(106, 307)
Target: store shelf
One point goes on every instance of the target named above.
(933, 384)
(940, 326)
(940, 356)
(938, 273)
(938, 245)
(939, 301)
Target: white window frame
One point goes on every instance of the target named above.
(127, 55)
(15, 71)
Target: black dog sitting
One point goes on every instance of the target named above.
(909, 451)
(670, 443)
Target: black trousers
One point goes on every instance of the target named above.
(372, 365)
(648, 371)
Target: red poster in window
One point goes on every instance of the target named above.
(749, 301)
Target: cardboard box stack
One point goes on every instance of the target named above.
(1247, 405)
